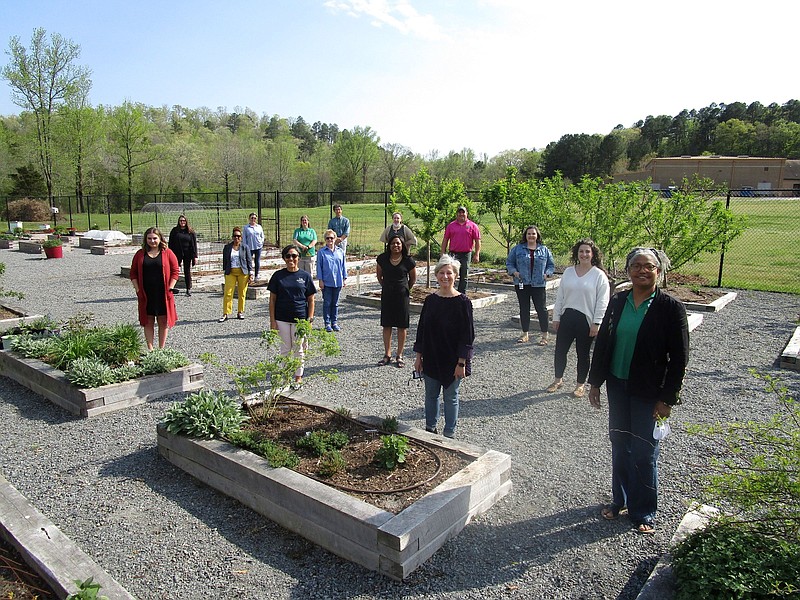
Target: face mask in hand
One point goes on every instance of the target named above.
(661, 429)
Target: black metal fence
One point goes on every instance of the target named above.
(764, 257)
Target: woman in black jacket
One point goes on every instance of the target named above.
(183, 243)
(641, 354)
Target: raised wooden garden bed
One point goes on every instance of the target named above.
(392, 544)
(30, 246)
(14, 316)
(712, 306)
(88, 402)
(9, 244)
(55, 557)
(790, 358)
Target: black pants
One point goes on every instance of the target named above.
(464, 258)
(524, 296)
(187, 272)
(573, 326)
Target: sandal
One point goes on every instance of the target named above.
(554, 386)
(543, 341)
(610, 512)
(523, 339)
(385, 361)
(579, 391)
(645, 528)
(400, 362)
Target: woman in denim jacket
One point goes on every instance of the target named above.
(530, 263)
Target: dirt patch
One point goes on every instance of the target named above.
(426, 465)
(691, 288)
(18, 580)
(8, 314)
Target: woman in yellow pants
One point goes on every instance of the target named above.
(237, 264)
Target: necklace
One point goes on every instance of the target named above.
(396, 261)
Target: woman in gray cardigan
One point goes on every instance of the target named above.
(237, 264)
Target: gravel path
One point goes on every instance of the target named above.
(162, 534)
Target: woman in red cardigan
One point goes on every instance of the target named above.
(154, 273)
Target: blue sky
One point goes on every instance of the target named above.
(433, 75)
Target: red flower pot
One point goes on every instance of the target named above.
(56, 252)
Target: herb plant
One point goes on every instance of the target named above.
(320, 442)
(392, 452)
(205, 414)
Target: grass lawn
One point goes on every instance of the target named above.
(762, 258)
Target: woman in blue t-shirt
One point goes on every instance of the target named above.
(291, 298)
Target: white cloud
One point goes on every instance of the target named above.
(399, 15)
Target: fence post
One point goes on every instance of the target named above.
(278, 218)
(722, 252)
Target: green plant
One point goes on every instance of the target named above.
(52, 243)
(8, 293)
(392, 452)
(87, 590)
(726, 561)
(89, 372)
(205, 414)
(126, 372)
(162, 360)
(31, 346)
(320, 442)
(269, 378)
(344, 412)
(389, 424)
(277, 456)
(332, 462)
(753, 467)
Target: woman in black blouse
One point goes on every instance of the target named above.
(183, 243)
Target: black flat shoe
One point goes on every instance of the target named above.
(188, 292)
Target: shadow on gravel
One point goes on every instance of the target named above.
(525, 545)
(32, 406)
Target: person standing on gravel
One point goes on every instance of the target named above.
(530, 263)
(398, 229)
(340, 225)
(183, 243)
(641, 354)
(445, 335)
(253, 238)
(460, 237)
(154, 273)
(580, 305)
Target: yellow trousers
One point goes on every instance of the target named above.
(232, 280)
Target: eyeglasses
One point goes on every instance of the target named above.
(330, 238)
(291, 256)
(643, 267)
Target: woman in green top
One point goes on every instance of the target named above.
(305, 239)
(640, 354)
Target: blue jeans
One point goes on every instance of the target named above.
(450, 394)
(634, 452)
(330, 301)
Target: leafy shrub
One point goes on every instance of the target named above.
(162, 360)
(392, 452)
(120, 344)
(90, 372)
(344, 412)
(320, 442)
(332, 462)
(88, 590)
(28, 209)
(52, 243)
(277, 456)
(728, 561)
(205, 414)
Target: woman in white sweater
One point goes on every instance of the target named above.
(581, 302)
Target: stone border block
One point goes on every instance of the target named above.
(790, 358)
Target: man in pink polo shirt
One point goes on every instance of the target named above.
(460, 237)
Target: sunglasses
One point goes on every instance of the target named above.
(291, 256)
(237, 235)
(330, 238)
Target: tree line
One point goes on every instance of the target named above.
(61, 145)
